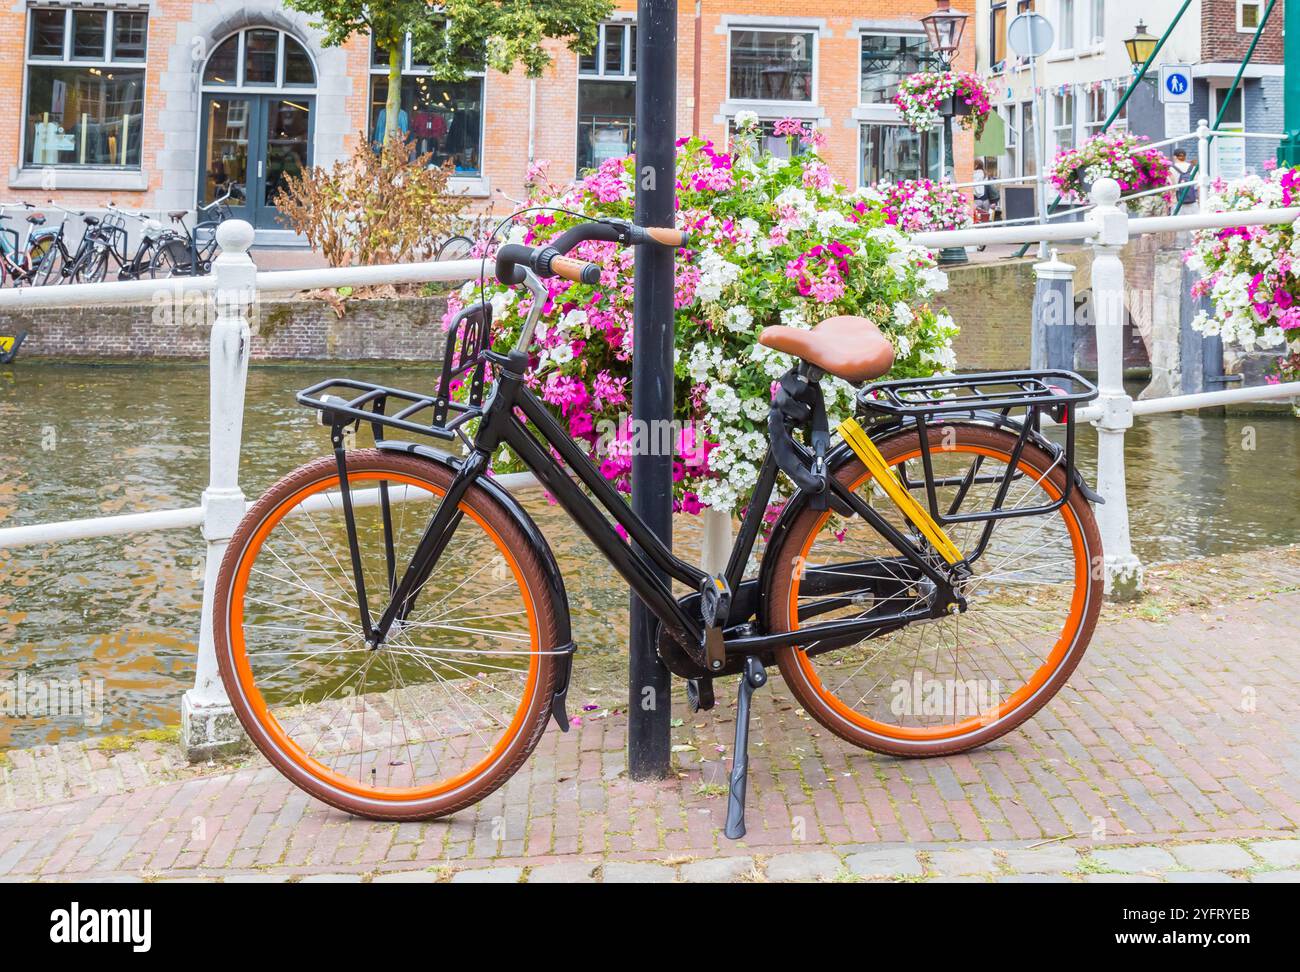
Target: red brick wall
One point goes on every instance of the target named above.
(506, 110)
(1221, 41)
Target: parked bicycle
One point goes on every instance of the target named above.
(61, 265)
(182, 252)
(24, 261)
(106, 240)
(393, 630)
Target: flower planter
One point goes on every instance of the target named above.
(954, 106)
(952, 254)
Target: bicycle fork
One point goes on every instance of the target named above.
(754, 676)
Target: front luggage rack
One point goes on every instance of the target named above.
(1013, 400)
(463, 361)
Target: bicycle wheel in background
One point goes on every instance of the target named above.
(43, 253)
(171, 258)
(450, 706)
(92, 267)
(946, 685)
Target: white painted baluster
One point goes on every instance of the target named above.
(208, 724)
(1123, 571)
(1202, 164)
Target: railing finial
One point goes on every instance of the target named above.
(235, 236)
(1105, 192)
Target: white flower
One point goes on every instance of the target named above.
(903, 315)
(739, 319)
(745, 118)
(716, 273)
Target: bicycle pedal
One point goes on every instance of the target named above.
(715, 606)
(699, 694)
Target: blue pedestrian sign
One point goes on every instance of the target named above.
(1175, 84)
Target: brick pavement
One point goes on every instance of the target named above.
(1173, 752)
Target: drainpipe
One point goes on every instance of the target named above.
(532, 120)
(695, 68)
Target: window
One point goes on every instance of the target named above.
(1065, 25)
(607, 97)
(1063, 121)
(886, 60)
(1094, 111)
(1097, 23)
(997, 36)
(85, 87)
(892, 153)
(1249, 13)
(259, 57)
(770, 142)
(771, 65)
(444, 118)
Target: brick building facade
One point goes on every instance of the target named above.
(166, 104)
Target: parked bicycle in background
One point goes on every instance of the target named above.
(189, 253)
(23, 262)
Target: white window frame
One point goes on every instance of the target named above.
(875, 32)
(67, 60)
(626, 73)
(1067, 27)
(1058, 102)
(255, 87)
(1096, 23)
(476, 186)
(809, 30)
(1241, 10)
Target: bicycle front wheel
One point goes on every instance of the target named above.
(450, 705)
(954, 683)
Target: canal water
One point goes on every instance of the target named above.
(97, 440)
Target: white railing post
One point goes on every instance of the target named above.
(1122, 570)
(208, 724)
(1202, 163)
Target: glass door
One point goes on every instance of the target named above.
(229, 142)
(286, 127)
(251, 143)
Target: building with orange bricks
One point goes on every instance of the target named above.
(165, 105)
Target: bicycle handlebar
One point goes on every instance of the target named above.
(551, 260)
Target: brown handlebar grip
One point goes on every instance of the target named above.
(579, 271)
(666, 235)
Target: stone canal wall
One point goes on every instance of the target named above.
(400, 329)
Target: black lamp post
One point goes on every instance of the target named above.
(943, 30)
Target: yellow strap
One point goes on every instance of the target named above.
(866, 450)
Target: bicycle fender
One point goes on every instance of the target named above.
(564, 646)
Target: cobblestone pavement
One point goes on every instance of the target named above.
(1173, 754)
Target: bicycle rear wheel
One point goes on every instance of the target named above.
(171, 258)
(450, 706)
(92, 268)
(951, 684)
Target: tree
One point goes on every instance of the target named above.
(455, 37)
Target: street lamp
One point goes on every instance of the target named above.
(943, 29)
(1140, 46)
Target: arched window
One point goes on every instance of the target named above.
(259, 57)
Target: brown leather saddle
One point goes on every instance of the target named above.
(848, 347)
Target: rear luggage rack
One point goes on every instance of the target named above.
(467, 338)
(986, 395)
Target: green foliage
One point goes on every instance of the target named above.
(453, 35)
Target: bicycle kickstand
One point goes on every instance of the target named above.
(754, 676)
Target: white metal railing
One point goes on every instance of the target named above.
(235, 284)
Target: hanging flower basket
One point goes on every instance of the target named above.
(924, 99)
(772, 241)
(1121, 156)
(1250, 273)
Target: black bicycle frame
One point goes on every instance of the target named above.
(637, 561)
